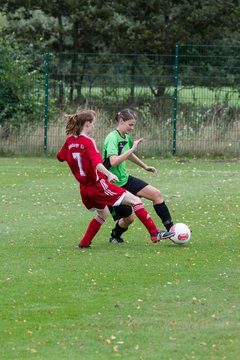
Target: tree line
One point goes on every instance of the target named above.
(100, 27)
(137, 26)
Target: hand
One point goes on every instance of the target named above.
(136, 143)
(112, 178)
(151, 169)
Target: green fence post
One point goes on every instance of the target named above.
(174, 142)
(46, 101)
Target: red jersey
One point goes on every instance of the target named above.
(82, 157)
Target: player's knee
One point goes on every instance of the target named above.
(104, 213)
(158, 195)
(136, 200)
(131, 199)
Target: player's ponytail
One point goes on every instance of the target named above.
(75, 122)
(72, 127)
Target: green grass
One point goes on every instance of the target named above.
(200, 95)
(187, 95)
(209, 97)
(131, 301)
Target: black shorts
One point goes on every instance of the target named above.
(133, 185)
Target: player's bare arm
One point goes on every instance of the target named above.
(135, 159)
(111, 177)
(115, 160)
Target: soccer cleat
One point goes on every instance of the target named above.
(80, 246)
(161, 234)
(115, 240)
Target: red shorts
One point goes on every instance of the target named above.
(101, 194)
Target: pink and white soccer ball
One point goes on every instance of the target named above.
(182, 233)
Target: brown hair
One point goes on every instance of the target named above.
(75, 122)
(126, 114)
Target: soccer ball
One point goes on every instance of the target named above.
(182, 233)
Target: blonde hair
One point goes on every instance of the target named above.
(75, 122)
(126, 114)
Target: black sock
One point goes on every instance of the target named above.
(164, 214)
(118, 230)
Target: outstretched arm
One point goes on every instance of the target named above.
(135, 159)
(115, 160)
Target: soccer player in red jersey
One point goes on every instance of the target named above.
(96, 182)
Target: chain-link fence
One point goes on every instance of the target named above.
(188, 101)
(208, 97)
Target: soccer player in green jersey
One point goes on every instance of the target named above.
(117, 148)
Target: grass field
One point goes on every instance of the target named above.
(137, 300)
(200, 95)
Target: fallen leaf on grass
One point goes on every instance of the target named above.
(116, 349)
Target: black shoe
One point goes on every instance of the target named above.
(161, 234)
(116, 239)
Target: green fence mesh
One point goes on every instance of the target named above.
(208, 116)
(188, 101)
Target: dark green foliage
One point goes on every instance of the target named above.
(127, 27)
(21, 91)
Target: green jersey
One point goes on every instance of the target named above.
(115, 144)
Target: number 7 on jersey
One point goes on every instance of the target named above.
(77, 156)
